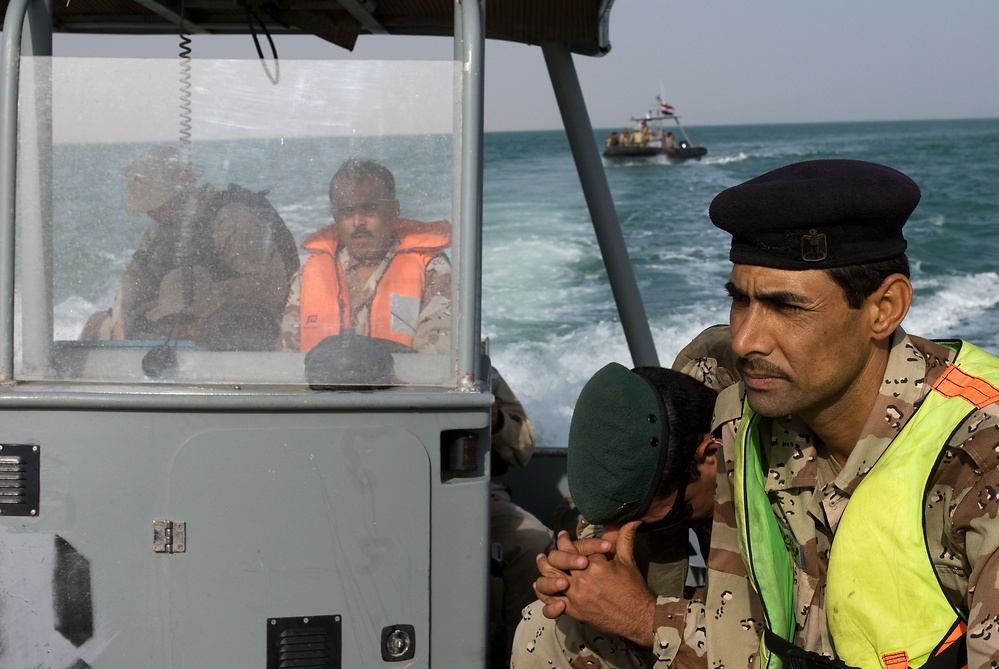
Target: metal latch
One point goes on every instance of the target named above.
(169, 536)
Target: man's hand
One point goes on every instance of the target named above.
(597, 583)
(569, 556)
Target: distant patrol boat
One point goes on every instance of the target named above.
(653, 139)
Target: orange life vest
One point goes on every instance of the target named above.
(325, 303)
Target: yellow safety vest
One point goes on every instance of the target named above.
(884, 604)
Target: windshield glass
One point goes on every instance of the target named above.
(232, 221)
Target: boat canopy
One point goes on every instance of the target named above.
(82, 129)
(582, 25)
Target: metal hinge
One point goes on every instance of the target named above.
(169, 536)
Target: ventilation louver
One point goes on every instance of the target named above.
(311, 642)
(19, 479)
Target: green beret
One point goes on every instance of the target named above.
(617, 445)
(817, 214)
(629, 430)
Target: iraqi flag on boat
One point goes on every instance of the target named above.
(663, 107)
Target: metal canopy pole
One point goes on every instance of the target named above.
(469, 52)
(596, 190)
(33, 230)
(13, 23)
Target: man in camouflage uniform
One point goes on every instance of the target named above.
(363, 267)
(600, 626)
(832, 385)
(618, 618)
(213, 267)
(819, 289)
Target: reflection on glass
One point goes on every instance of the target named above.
(194, 245)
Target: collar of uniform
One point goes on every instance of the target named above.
(901, 392)
(937, 359)
(728, 406)
(350, 264)
(791, 456)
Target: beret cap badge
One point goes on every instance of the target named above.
(814, 247)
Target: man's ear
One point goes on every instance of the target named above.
(889, 305)
(707, 449)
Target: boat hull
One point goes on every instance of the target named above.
(631, 152)
(679, 154)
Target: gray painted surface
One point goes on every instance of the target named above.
(288, 514)
(296, 503)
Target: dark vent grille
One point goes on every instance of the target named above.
(311, 642)
(19, 479)
(13, 479)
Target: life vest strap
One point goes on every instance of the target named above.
(952, 653)
(956, 383)
(895, 660)
(799, 658)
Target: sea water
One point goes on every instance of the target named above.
(547, 307)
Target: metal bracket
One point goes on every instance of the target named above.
(169, 536)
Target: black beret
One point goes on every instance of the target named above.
(817, 214)
(622, 433)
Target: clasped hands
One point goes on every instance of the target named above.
(596, 581)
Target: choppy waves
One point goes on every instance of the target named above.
(548, 308)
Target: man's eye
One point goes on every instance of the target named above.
(366, 209)
(740, 299)
(784, 306)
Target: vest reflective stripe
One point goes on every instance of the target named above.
(879, 569)
(325, 300)
(761, 542)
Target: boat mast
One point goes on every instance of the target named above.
(682, 131)
(676, 119)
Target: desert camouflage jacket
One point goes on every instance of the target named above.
(961, 508)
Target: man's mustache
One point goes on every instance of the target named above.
(759, 367)
(359, 232)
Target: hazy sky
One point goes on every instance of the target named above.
(719, 62)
